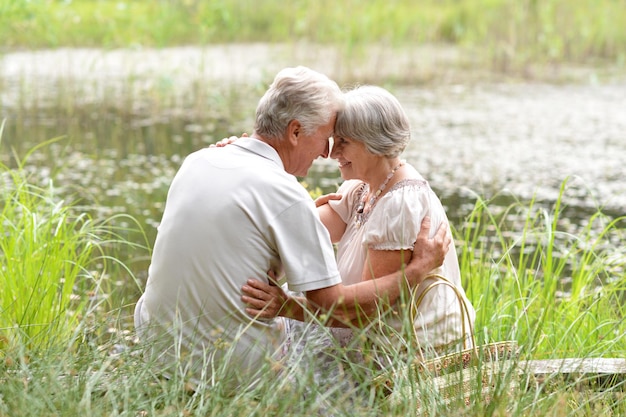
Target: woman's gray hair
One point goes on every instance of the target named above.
(297, 94)
(373, 116)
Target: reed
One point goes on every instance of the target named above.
(104, 121)
(67, 345)
(56, 261)
(511, 275)
(558, 293)
(503, 32)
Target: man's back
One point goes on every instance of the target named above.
(231, 214)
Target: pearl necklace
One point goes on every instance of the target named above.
(361, 214)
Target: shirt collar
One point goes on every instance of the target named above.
(260, 148)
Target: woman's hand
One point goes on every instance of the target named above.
(263, 300)
(324, 199)
(332, 221)
(227, 141)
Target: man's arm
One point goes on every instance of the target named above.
(358, 302)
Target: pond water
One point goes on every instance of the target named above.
(131, 116)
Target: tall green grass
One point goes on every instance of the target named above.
(109, 377)
(512, 276)
(55, 263)
(506, 32)
(559, 294)
(68, 349)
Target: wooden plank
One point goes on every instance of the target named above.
(578, 373)
(583, 366)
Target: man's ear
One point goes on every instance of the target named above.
(294, 131)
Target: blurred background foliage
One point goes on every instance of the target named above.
(504, 31)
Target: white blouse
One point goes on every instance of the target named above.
(393, 224)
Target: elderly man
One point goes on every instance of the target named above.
(238, 211)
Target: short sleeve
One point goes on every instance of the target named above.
(350, 191)
(397, 217)
(304, 246)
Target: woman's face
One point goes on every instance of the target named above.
(354, 159)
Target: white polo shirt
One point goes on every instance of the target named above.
(232, 213)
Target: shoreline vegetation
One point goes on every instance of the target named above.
(71, 269)
(516, 37)
(557, 295)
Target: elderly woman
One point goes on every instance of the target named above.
(374, 224)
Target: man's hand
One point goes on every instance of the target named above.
(428, 253)
(263, 300)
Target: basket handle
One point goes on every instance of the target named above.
(441, 280)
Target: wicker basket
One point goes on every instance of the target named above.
(478, 372)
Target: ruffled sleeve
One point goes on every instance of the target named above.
(345, 207)
(397, 217)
